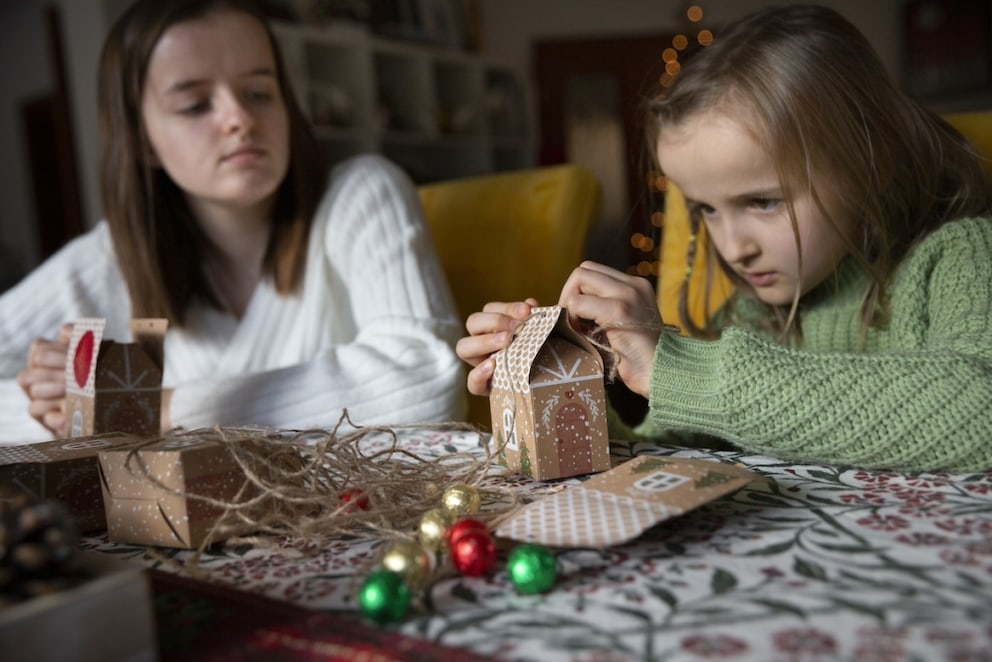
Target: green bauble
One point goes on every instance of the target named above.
(384, 597)
(532, 568)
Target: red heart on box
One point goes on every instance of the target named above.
(83, 358)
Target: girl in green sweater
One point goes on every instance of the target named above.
(855, 226)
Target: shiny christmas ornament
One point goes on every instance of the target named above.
(409, 560)
(463, 526)
(433, 528)
(353, 499)
(474, 553)
(532, 568)
(461, 500)
(384, 597)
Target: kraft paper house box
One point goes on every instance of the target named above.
(64, 470)
(548, 400)
(113, 386)
(618, 505)
(157, 494)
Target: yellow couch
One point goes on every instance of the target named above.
(509, 236)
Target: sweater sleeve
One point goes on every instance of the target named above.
(918, 400)
(81, 280)
(372, 263)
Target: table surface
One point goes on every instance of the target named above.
(814, 563)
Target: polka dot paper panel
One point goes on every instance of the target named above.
(514, 361)
(618, 505)
(582, 518)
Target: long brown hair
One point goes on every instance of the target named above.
(158, 243)
(819, 101)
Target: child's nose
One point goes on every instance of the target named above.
(236, 116)
(735, 244)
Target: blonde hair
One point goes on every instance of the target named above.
(818, 99)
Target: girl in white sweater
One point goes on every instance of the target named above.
(290, 295)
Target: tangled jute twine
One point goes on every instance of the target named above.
(290, 500)
(291, 497)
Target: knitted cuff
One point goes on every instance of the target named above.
(686, 383)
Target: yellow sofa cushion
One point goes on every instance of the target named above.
(977, 128)
(509, 236)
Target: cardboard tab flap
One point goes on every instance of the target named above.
(149, 333)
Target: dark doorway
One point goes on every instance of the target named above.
(592, 95)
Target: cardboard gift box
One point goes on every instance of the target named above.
(548, 400)
(64, 470)
(160, 493)
(107, 617)
(113, 386)
(618, 505)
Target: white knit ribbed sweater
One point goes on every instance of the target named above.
(372, 329)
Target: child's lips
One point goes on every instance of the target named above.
(248, 153)
(762, 278)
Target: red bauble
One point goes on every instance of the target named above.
(474, 553)
(463, 526)
(353, 499)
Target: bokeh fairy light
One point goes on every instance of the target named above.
(691, 34)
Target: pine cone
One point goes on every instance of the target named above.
(37, 546)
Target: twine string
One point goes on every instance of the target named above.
(290, 498)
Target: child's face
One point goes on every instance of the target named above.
(214, 113)
(731, 181)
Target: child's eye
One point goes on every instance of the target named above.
(195, 108)
(701, 210)
(765, 204)
(259, 96)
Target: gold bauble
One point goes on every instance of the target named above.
(461, 500)
(409, 560)
(433, 529)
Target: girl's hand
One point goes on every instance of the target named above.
(626, 307)
(489, 331)
(43, 380)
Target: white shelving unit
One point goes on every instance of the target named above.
(438, 113)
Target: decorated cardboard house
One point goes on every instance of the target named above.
(113, 386)
(548, 400)
(167, 491)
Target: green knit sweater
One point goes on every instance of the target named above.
(913, 396)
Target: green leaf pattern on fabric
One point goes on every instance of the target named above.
(813, 562)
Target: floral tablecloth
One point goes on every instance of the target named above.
(813, 563)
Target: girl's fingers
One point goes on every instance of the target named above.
(591, 278)
(474, 349)
(498, 317)
(479, 377)
(47, 354)
(47, 389)
(54, 420)
(518, 310)
(49, 413)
